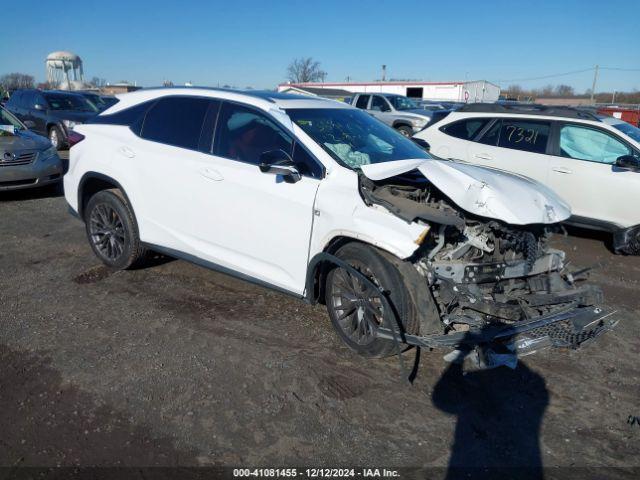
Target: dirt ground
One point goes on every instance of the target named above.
(177, 365)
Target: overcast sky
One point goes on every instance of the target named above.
(250, 43)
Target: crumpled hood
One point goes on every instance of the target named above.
(483, 191)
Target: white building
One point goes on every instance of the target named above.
(469, 92)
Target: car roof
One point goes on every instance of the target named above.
(263, 99)
(532, 109)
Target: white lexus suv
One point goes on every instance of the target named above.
(592, 162)
(318, 199)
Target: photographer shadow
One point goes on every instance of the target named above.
(499, 414)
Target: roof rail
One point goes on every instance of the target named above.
(529, 109)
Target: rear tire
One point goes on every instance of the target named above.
(112, 231)
(349, 303)
(404, 130)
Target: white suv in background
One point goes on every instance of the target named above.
(320, 200)
(592, 162)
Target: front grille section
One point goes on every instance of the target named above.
(18, 158)
(565, 334)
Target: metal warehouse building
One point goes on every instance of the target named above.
(471, 92)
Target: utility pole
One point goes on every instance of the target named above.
(384, 72)
(613, 98)
(593, 87)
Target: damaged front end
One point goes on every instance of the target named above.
(500, 290)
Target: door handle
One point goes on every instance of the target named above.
(211, 174)
(126, 152)
(483, 156)
(561, 170)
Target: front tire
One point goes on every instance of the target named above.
(112, 231)
(405, 131)
(56, 138)
(352, 305)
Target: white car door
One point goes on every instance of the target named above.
(381, 109)
(584, 174)
(514, 145)
(168, 157)
(252, 222)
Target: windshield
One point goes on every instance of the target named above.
(7, 121)
(403, 103)
(629, 130)
(353, 137)
(70, 102)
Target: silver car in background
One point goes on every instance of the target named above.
(26, 159)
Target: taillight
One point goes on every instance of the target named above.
(73, 138)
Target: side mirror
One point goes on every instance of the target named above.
(29, 124)
(278, 162)
(39, 106)
(628, 162)
(421, 143)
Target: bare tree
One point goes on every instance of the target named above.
(303, 70)
(564, 91)
(14, 81)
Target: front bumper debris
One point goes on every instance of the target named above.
(497, 343)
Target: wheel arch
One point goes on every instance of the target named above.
(401, 123)
(317, 270)
(415, 283)
(94, 182)
(51, 124)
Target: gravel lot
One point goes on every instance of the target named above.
(177, 365)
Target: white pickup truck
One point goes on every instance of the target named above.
(397, 111)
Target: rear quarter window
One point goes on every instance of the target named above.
(465, 129)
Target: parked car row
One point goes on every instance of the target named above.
(53, 113)
(322, 201)
(591, 161)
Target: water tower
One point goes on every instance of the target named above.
(64, 71)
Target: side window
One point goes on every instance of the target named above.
(528, 136)
(492, 135)
(306, 164)
(592, 144)
(39, 99)
(380, 104)
(27, 100)
(362, 101)
(176, 121)
(465, 129)
(244, 134)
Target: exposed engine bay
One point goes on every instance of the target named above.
(480, 271)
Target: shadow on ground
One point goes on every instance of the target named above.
(499, 413)
(48, 191)
(48, 422)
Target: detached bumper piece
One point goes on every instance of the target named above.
(567, 329)
(497, 344)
